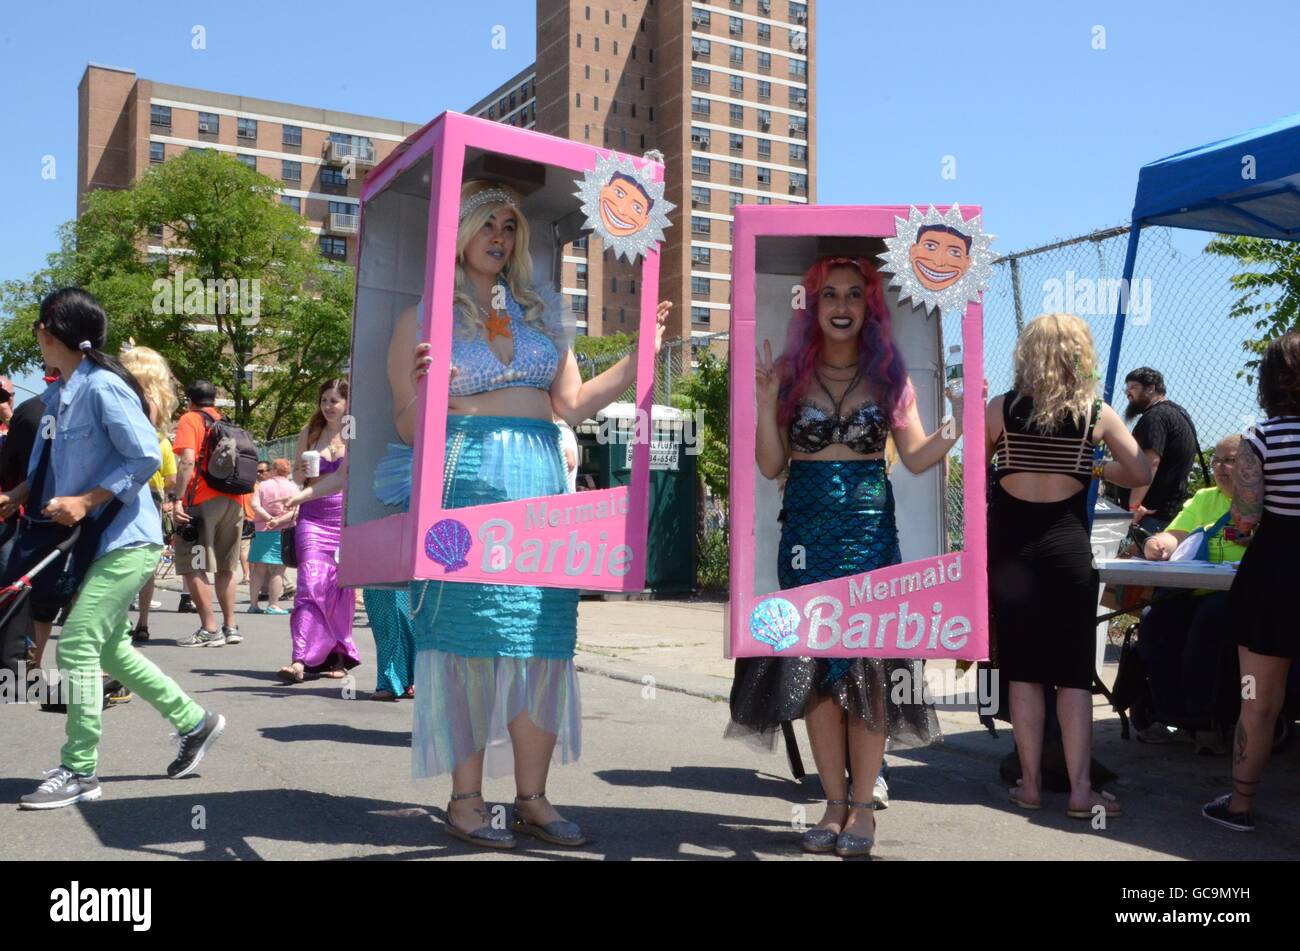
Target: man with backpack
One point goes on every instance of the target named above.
(216, 463)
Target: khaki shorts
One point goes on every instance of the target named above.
(219, 535)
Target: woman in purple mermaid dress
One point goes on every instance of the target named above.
(321, 623)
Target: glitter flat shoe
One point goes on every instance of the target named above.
(560, 832)
(485, 836)
(822, 841)
(850, 846)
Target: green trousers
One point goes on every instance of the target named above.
(97, 635)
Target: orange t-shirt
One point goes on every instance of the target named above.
(189, 435)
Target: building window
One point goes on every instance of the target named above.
(798, 125)
(343, 208)
(249, 160)
(579, 304)
(737, 114)
(595, 43)
(737, 56)
(699, 197)
(596, 103)
(798, 153)
(577, 100)
(209, 122)
(587, 10)
(580, 276)
(798, 182)
(737, 144)
(578, 41)
(737, 173)
(701, 256)
(738, 85)
(765, 33)
(156, 153)
(735, 26)
(291, 135)
(737, 4)
(765, 176)
(580, 244)
(765, 199)
(798, 97)
(798, 68)
(700, 137)
(292, 201)
(607, 76)
(586, 133)
(613, 284)
(586, 72)
(699, 315)
(699, 77)
(700, 225)
(607, 17)
(700, 166)
(333, 176)
(160, 117)
(634, 110)
(764, 119)
(700, 48)
(336, 249)
(699, 106)
(246, 128)
(701, 286)
(631, 285)
(733, 199)
(764, 90)
(765, 148)
(652, 55)
(651, 110)
(764, 62)
(799, 12)
(290, 171)
(615, 46)
(701, 18)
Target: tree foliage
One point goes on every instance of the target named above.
(227, 226)
(706, 389)
(1268, 292)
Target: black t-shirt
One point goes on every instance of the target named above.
(1167, 431)
(17, 449)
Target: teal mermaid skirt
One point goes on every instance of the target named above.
(837, 519)
(485, 653)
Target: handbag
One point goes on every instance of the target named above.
(55, 583)
(288, 548)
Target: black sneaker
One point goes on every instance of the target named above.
(1217, 812)
(115, 693)
(139, 635)
(195, 743)
(186, 605)
(62, 787)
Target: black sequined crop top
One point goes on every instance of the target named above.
(813, 428)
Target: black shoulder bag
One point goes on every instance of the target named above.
(55, 581)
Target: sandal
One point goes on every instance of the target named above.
(822, 841)
(484, 836)
(1022, 803)
(849, 845)
(290, 674)
(1108, 800)
(410, 693)
(384, 696)
(334, 673)
(557, 832)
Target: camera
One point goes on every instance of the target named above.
(189, 532)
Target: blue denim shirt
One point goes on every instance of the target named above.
(100, 437)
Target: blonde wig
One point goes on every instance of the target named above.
(1056, 367)
(517, 272)
(150, 369)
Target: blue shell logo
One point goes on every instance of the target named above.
(775, 622)
(447, 543)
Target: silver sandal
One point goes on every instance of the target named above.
(821, 841)
(560, 832)
(484, 836)
(850, 846)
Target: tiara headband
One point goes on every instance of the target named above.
(493, 196)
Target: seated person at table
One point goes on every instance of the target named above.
(1183, 640)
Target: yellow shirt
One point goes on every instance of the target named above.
(158, 480)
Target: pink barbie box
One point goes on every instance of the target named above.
(934, 604)
(410, 207)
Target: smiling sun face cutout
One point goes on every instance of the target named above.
(939, 259)
(624, 204)
(623, 208)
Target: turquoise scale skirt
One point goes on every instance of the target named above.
(485, 653)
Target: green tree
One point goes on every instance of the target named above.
(706, 389)
(241, 261)
(1269, 292)
(596, 354)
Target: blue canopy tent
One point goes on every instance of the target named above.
(1248, 184)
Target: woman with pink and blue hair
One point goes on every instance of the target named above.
(826, 408)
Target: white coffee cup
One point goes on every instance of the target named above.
(311, 463)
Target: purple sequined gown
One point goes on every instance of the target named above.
(322, 611)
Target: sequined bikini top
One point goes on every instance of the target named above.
(479, 370)
(813, 428)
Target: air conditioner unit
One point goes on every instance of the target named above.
(798, 42)
(801, 100)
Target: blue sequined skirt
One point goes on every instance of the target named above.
(837, 519)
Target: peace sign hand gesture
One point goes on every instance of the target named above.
(767, 382)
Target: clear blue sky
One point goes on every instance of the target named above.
(1047, 132)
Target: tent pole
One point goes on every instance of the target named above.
(1116, 343)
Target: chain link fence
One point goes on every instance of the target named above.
(1178, 321)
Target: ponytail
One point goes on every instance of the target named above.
(75, 318)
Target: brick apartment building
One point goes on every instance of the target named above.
(723, 90)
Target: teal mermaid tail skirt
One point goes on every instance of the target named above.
(486, 653)
(837, 519)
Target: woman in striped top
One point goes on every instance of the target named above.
(1264, 602)
(1042, 584)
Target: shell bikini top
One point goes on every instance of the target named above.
(479, 370)
(813, 429)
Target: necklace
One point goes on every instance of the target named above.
(836, 366)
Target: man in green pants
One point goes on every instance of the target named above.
(97, 445)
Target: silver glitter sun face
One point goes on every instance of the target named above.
(624, 206)
(938, 260)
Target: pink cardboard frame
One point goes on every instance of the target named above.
(594, 540)
(934, 607)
